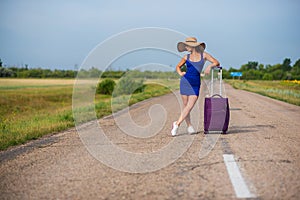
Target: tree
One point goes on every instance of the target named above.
(278, 74)
(5, 72)
(272, 68)
(249, 65)
(252, 74)
(268, 76)
(0, 62)
(295, 71)
(286, 65)
(261, 67)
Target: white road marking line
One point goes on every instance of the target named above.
(239, 185)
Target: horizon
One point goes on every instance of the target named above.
(156, 67)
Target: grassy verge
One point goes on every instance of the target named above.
(31, 108)
(288, 91)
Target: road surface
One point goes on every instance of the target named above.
(259, 158)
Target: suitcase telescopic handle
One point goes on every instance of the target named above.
(218, 67)
(212, 79)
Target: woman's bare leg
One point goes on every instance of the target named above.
(191, 100)
(185, 99)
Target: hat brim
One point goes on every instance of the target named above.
(181, 46)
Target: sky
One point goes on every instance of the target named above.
(61, 34)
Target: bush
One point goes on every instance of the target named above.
(106, 87)
(268, 76)
(5, 72)
(128, 86)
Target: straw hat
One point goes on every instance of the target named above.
(190, 41)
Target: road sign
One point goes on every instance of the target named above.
(238, 74)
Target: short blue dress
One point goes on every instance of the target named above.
(190, 83)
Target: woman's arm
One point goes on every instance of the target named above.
(214, 62)
(180, 64)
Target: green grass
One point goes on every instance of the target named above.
(287, 91)
(31, 108)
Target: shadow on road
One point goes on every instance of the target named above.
(248, 129)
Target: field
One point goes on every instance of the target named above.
(31, 108)
(288, 91)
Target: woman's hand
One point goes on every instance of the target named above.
(179, 65)
(182, 73)
(207, 70)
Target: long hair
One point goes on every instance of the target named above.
(199, 49)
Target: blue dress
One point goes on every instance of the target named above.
(190, 82)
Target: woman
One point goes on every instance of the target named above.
(190, 80)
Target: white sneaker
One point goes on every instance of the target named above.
(174, 129)
(191, 130)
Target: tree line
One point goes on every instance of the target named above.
(25, 72)
(250, 71)
(93, 72)
(255, 71)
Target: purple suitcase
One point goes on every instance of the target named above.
(216, 110)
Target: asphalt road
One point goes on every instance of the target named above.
(259, 158)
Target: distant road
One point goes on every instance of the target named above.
(263, 142)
